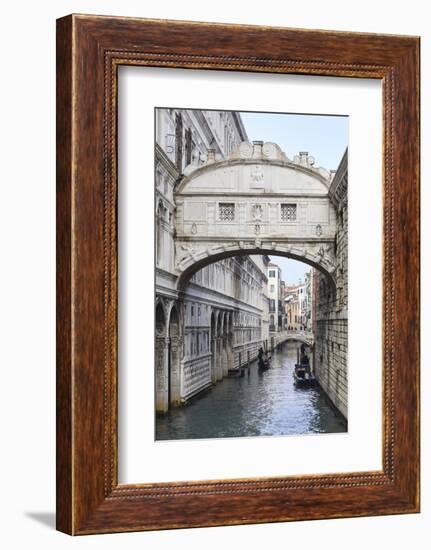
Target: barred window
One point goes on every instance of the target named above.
(288, 212)
(226, 211)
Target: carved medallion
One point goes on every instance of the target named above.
(245, 150)
(269, 150)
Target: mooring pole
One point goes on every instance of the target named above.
(313, 357)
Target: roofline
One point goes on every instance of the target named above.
(250, 161)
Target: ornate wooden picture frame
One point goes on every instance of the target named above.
(89, 51)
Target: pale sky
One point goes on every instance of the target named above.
(324, 137)
(291, 270)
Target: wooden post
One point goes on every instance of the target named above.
(241, 370)
(313, 358)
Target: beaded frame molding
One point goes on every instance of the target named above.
(89, 51)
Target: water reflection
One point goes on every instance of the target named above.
(260, 403)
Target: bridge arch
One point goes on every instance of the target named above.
(256, 202)
(195, 263)
(304, 339)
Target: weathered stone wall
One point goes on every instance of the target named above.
(331, 325)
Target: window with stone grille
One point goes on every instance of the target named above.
(288, 212)
(226, 211)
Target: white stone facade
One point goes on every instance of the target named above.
(220, 319)
(186, 135)
(274, 295)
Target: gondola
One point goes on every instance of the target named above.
(264, 364)
(302, 375)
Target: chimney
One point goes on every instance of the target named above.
(257, 149)
(303, 158)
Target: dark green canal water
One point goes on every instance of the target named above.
(260, 403)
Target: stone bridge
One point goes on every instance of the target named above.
(305, 337)
(256, 202)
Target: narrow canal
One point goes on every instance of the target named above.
(259, 403)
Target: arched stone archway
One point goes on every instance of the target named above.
(256, 202)
(160, 231)
(297, 337)
(219, 347)
(196, 263)
(161, 359)
(213, 337)
(229, 337)
(174, 357)
(225, 344)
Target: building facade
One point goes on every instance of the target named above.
(292, 309)
(298, 303)
(308, 314)
(331, 323)
(274, 295)
(187, 135)
(221, 318)
(224, 311)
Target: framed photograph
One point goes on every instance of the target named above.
(237, 274)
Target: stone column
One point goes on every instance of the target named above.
(214, 359)
(230, 354)
(162, 379)
(175, 371)
(225, 357)
(219, 363)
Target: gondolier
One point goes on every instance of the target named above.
(302, 374)
(304, 359)
(263, 361)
